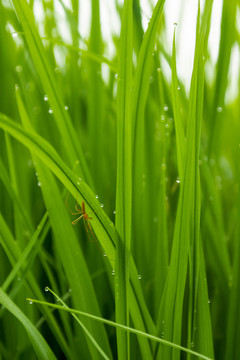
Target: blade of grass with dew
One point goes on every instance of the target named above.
(57, 279)
(70, 252)
(103, 227)
(213, 223)
(94, 342)
(40, 346)
(180, 136)
(134, 280)
(14, 254)
(186, 232)
(72, 146)
(125, 328)
(199, 321)
(95, 98)
(233, 326)
(141, 78)
(142, 156)
(227, 38)
(124, 180)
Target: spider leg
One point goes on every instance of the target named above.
(88, 227)
(74, 222)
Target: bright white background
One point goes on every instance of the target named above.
(182, 12)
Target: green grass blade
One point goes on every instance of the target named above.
(72, 145)
(103, 227)
(226, 42)
(233, 325)
(125, 328)
(70, 253)
(14, 254)
(186, 232)
(77, 187)
(40, 346)
(180, 136)
(124, 179)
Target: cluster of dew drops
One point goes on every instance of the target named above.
(50, 110)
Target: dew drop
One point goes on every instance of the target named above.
(46, 288)
(166, 126)
(178, 88)
(79, 181)
(58, 299)
(113, 272)
(163, 322)
(45, 98)
(114, 212)
(104, 254)
(102, 205)
(139, 277)
(116, 76)
(159, 70)
(96, 196)
(18, 68)
(209, 301)
(162, 118)
(69, 290)
(192, 344)
(50, 111)
(219, 109)
(178, 180)
(66, 108)
(39, 184)
(165, 108)
(30, 302)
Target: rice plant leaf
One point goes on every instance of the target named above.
(40, 346)
(14, 255)
(125, 328)
(69, 251)
(124, 180)
(187, 226)
(226, 42)
(180, 136)
(103, 227)
(143, 71)
(77, 187)
(233, 325)
(72, 146)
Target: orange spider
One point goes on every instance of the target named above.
(86, 218)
